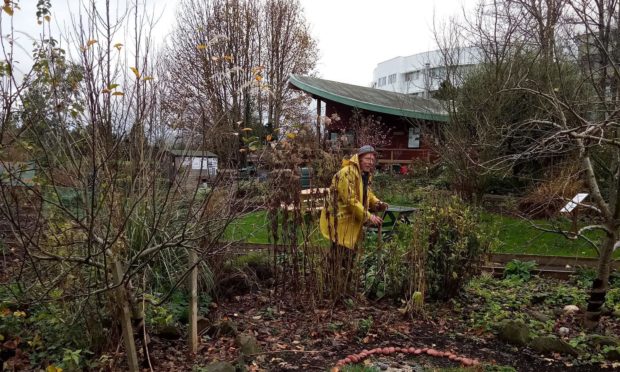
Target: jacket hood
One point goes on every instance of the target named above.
(353, 160)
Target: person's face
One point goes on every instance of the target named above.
(367, 162)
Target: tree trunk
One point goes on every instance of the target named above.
(600, 284)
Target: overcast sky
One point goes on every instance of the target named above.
(353, 35)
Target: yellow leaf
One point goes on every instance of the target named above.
(135, 72)
(269, 137)
(8, 10)
(241, 150)
(118, 46)
(247, 129)
(91, 42)
(291, 135)
(105, 90)
(228, 58)
(112, 86)
(147, 78)
(48, 18)
(1, 338)
(53, 368)
(201, 46)
(19, 314)
(258, 78)
(118, 94)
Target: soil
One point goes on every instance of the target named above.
(296, 336)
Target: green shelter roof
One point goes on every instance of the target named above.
(371, 99)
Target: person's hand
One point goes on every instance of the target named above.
(375, 220)
(382, 206)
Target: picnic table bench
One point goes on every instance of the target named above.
(311, 200)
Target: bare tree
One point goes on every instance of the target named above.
(556, 64)
(230, 61)
(106, 206)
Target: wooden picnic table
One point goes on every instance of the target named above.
(392, 216)
(311, 200)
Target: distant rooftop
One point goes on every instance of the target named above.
(371, 99)
(193, 153)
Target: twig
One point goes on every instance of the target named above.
(288, 351)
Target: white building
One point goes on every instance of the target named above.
(421, 74)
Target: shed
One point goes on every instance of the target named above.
(191, 166)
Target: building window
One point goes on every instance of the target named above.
(381, 81)
(411, 76)
(413, 142)
(438, 73)
(392, 79)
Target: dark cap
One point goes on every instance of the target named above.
(365, 150)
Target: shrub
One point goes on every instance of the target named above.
(447, 247)
(386, 273)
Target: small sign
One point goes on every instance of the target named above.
(574, 203)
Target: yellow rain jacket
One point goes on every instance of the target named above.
(344, 217)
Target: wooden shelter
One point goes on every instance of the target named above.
(411, 123)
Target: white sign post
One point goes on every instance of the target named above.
(571, 207)
(577, 199)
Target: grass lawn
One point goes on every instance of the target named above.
(254, 228)
(514, 235)
(249, 228)
(517, 235)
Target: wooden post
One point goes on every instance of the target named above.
(574, 215)
(193, 302)
(125, 313)
(318, 121)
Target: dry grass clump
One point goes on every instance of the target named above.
(547, 197)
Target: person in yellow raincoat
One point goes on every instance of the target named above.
(351, 200)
